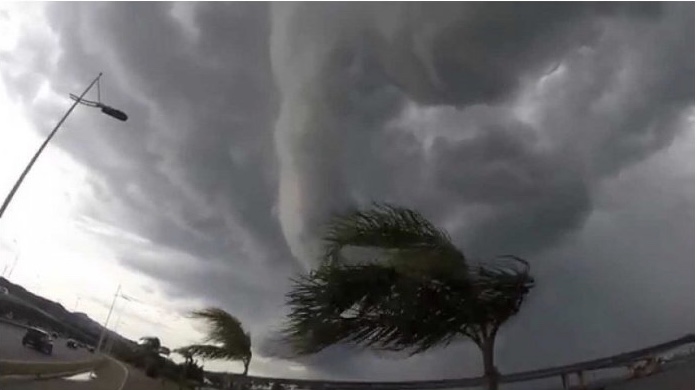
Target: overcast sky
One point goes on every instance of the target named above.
(560, 132)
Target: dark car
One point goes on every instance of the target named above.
(39, 340)
(72, 344)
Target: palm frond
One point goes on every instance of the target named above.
(225, 335)
(411, 241)
(224, 329)
(373, 306)
(501, 288)
(212, 352)
(376, 306)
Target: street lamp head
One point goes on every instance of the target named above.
(118, 114)
(111, 111)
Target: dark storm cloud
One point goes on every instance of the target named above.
(478, 52)
(460, 55)
(620, 104)
(623, 279)
(505, 123)
(193, 169)
(613, 96)
(201, 151)
(534, 197)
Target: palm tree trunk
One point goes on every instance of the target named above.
(246, 366)
(490, 371)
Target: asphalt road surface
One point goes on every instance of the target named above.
(112, 376)
(11, 348)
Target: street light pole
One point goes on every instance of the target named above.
(110, 342)
(105, 109)
(101, 337)
(14, 265)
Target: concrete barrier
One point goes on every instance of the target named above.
(47, 369)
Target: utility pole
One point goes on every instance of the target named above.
(104, 329)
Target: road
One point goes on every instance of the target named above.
(11, 348)
(112, 376)
(109, 377)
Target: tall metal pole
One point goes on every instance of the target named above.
(101, 337)
(14, 265)
(111, 341)
(19, 181)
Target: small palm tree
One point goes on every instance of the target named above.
(150, 344)
(186, 354)
(416, 293)
(190, 369)
(150, 348)
(227, 338)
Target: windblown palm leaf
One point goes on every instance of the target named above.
(411, 242)
(370, 305)
(212, 352)
(225, 336)
(224, 329)
(383, 226)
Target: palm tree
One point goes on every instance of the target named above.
(190, 368)
(227, 338)
(417, 292)
(186, 354)
(150, 348)
(150, 343)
